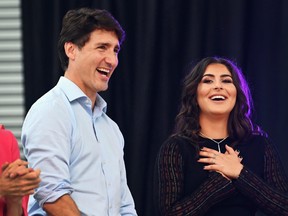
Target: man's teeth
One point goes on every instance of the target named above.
(218, 97)
(103, 71)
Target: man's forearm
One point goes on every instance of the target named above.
(64, 206)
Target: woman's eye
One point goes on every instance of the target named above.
(207, 81)
(227, 81)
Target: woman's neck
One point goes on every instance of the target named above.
(214, 128)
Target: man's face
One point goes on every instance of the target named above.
(92, 66)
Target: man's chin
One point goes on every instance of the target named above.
(103, 88)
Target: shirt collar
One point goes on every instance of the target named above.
(73, 92)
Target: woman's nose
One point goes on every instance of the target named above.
(218, 85)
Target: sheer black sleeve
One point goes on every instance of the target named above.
(270, 193)
(169, 178)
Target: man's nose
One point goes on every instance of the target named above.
(111, 58)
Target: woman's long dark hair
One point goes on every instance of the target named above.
(240, 124)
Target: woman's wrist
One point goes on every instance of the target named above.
(239, 172)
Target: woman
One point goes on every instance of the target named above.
(218, 162)
(16, 180)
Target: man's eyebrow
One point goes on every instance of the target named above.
(107, 44)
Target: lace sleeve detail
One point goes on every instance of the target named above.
(169, 186)
(269, 194)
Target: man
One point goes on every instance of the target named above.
(67, 134)
(16, 180)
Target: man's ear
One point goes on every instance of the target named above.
(70, 50)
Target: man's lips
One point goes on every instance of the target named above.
(103, 71)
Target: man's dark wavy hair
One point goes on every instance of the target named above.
(77, 26)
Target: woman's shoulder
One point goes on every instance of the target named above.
(257, 139)
(178, 143)
(260, 137)
(177, 139)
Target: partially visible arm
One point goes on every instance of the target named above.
(20, 185)
(16, 180)
(13, 189)
(127, 202)
(14, 206)
(45, 138)
(271, 194)
(64, 206)
(170, 182)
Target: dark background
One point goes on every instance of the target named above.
(163, 38)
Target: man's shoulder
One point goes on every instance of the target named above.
(51, 100)
(51, 107)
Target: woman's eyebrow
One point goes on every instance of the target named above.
(222, 75)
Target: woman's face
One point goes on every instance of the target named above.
(216, 92)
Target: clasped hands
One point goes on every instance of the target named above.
(228, 164)
(17, 180)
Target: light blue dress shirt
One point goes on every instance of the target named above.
(79, 152)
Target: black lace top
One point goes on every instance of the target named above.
(182, 187)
